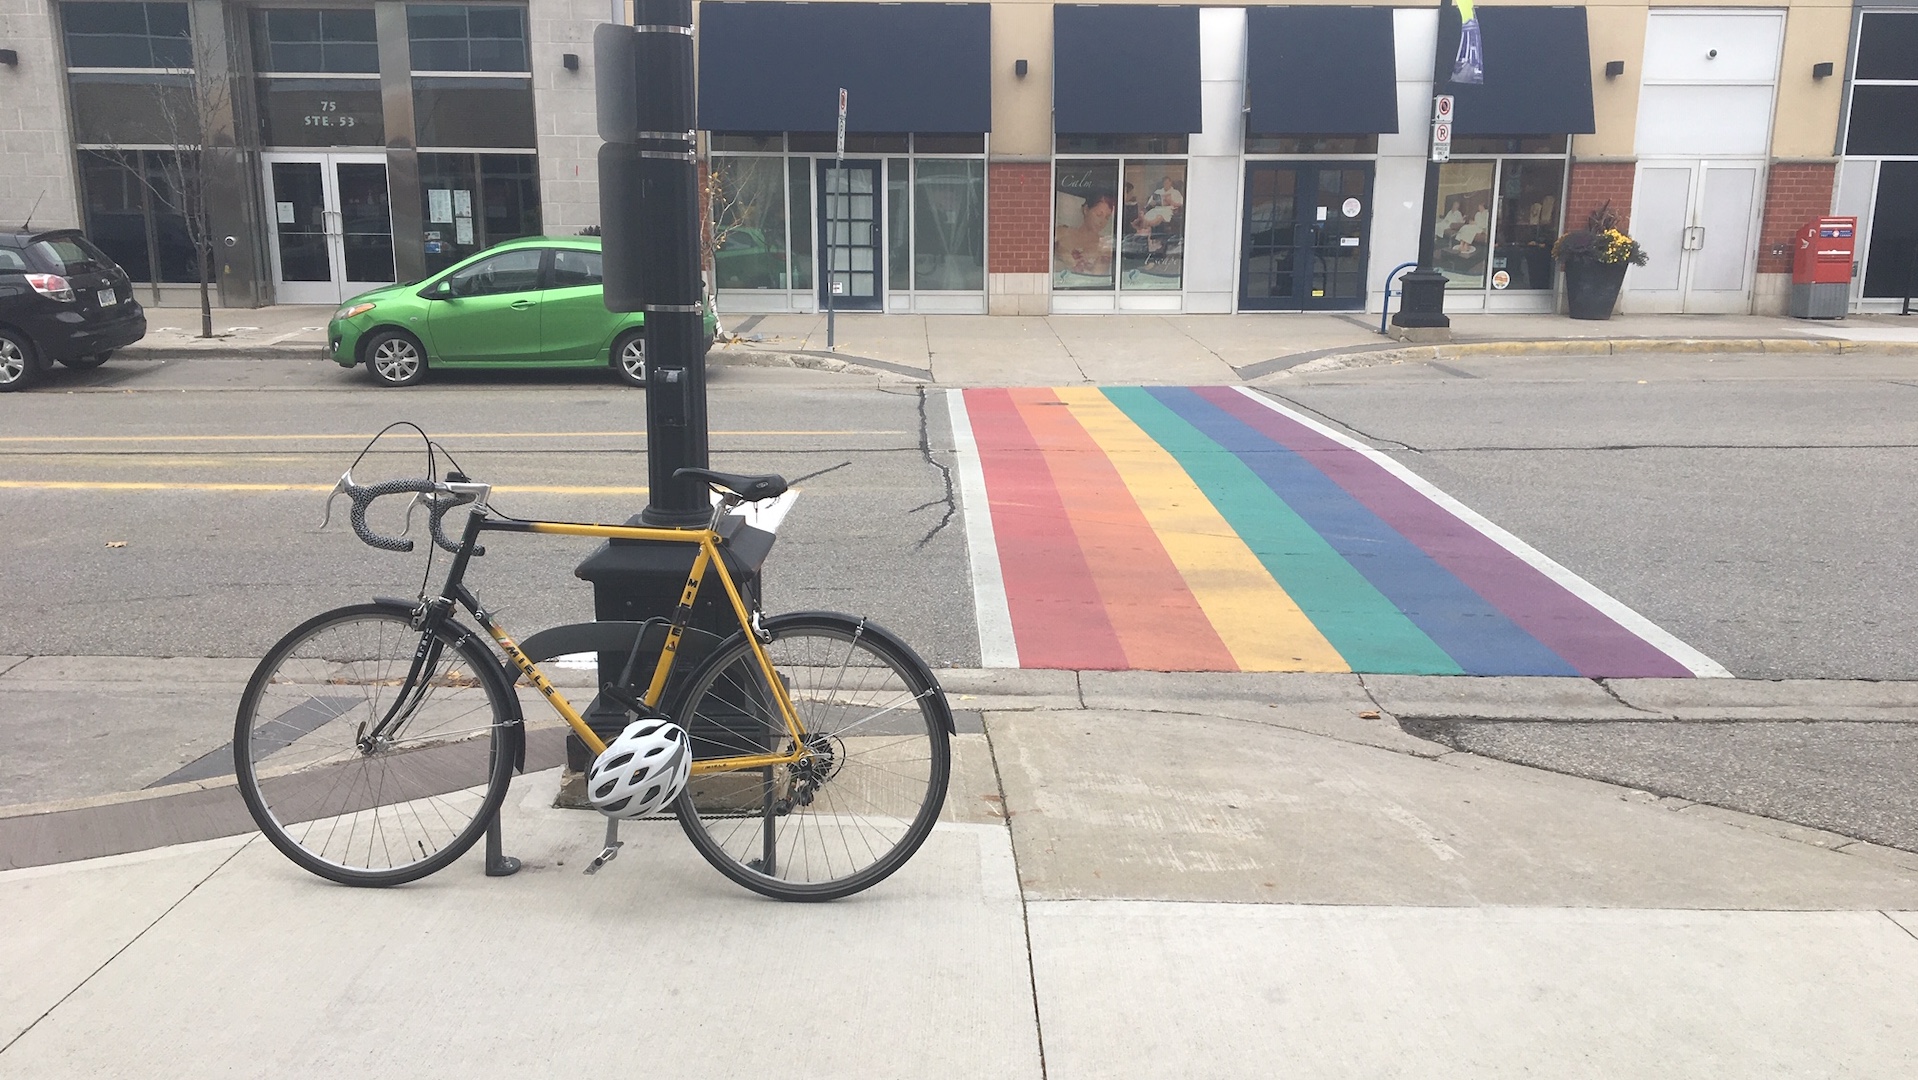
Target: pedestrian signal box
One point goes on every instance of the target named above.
(1821, 268)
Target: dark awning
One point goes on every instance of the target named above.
(1538, 72)
(1321, 71)
(1125, 69)
(905, 67)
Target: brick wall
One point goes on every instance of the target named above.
(1794, 194)
(1019, 224)
(1593, 184)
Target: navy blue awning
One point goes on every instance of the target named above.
(905, 67)
(1125, 69)
(1538, 72)
(1321, 71)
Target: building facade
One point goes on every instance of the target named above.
(1007, 158)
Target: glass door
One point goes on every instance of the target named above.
(1306, 227)
(332, 233)
(850, 246)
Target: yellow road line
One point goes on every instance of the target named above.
(133, 485)
(400, 447)
(1254, 616)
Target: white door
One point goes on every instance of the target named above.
(1698, 220)
(332, 234)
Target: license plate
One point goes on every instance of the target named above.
(108, 298)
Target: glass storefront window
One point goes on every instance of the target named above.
(1462, 233)
(949, 224)
(749, 222)
(459, 37)
(131, 215)
(321, 112)
(1527, 226)
(899, 224)
(474, 112)
(1152, 242)
(1122, 144)
(118, 35)
(472, 201)
(1311, 144)
(1085, 210)
(307, 40)
(805, 142)
(126, 109)
(799, 192)
(1509, 144)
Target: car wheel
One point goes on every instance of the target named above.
(629, 357)
(396, 358)
(19, 364)
(87, 362)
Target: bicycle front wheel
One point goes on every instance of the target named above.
(360, 774)
(869, 784)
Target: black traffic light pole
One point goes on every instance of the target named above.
(649, 218)
(1422, 292)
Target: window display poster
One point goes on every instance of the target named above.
(462, 203)
(1152, 248)
(286, 213)
(1462, 233)
(463, 231)
(439, 204)
(1085, 216)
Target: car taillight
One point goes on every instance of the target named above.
(51, 286)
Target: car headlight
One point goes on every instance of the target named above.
(351, 310)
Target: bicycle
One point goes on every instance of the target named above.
(375, 743)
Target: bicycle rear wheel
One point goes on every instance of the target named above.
(871, 785)
(347, 801)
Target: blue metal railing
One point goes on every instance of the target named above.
(1385, 309)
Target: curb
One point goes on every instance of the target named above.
(224, 351)
(1366, 355)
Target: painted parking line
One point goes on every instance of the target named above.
(1212, 529)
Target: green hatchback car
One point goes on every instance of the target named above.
(529, 303)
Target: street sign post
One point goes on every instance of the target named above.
(1442, 127)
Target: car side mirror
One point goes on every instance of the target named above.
(440, 290)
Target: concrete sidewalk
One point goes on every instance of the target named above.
(979, 350)
(1192, 875)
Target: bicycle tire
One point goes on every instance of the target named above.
(848, 815)
(304, 774)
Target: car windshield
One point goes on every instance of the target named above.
(68, 253)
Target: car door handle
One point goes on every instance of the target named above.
(522, 305)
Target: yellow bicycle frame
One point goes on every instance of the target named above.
(707, 559)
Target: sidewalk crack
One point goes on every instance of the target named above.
(1054, 331)
(1605, 685)
(945, 475)
(1025, 905)
(1216, 355)
(1913, 934)
(130, 943)
(15, 664)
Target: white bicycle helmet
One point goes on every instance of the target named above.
(642, 771)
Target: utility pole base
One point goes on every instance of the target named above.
(1421, 335)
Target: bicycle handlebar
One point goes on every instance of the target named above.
(438, 496)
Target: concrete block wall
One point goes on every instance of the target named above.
(565, 104)
(1018, 237)
(36, 163)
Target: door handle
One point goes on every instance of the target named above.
(521, 305)
(1694, 238)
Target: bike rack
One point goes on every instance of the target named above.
(1385, 309)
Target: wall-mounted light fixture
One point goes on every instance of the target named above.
(571, 60)
(1821, 71)
(1019, 68)
(9, 57)
(1614, 68)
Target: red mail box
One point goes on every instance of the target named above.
(1826, 248)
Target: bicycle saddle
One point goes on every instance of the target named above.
(748, 487)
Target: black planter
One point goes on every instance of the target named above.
(1591, 289)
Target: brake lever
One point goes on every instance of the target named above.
(346, 481)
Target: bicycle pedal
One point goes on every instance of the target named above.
(608, 855)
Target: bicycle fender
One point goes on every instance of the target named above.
(515, 717)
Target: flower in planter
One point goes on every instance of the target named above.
(1600, 242)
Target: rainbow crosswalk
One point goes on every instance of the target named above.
(1212, 529)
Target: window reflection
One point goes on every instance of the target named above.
(1528, 196)
(949, 224)
(749, 223)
